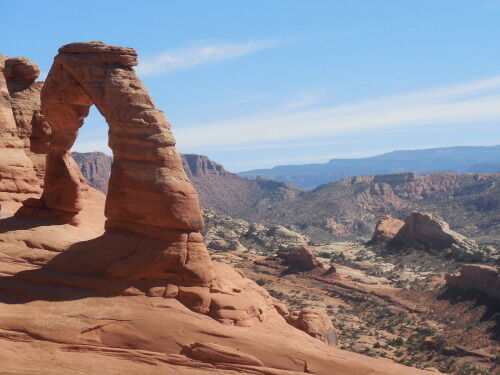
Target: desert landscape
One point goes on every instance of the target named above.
(141, 259)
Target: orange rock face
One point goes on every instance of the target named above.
(23, 131)
(478, 278)
(148, 186)
(149, 193)
(318, 325)
(299, 258)
(386, 228)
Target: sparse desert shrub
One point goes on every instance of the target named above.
(396, 342)
(261, 282)
(277, 294)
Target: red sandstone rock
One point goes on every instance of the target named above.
(317, 324)
(20, 123)
(436, 235)
(478, 278)
(299, 258)
(143, 147)
(149, 192)
(387, 227)
(217, 353)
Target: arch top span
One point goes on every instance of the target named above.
(148, 188)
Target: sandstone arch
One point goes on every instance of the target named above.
(148, 186)
(150, 199)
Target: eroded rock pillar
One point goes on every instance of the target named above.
(149, 194)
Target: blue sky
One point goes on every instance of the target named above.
(257, 83)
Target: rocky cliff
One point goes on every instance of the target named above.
(476, 278)
(23, 130)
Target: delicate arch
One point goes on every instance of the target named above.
(148, 188)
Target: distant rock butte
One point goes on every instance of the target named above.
(135, 291)
(477, 278)
(300, 258)
(436, 235)
(386, 228)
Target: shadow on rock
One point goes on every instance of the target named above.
(476, 300)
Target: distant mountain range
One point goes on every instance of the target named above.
(349, 208)
(345, 209)
(466, 159)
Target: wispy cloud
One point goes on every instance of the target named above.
(473, 102)
(183, 58)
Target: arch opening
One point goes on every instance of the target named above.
(148, 188)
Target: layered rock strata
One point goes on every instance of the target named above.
(477, 278)
(386, 228)
(435, 234)
(23, 131)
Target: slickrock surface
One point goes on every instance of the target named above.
(478, 278)
(435, 234)
(387, 227)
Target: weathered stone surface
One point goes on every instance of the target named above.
(386, 228)
(23, 132)
(299, 258)
(208, 352)
(478, 278)
(436, 235)
(317, 324)
(149, 192)
(95, 167)
(144, 152)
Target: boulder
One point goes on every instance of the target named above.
(387, 227)
(299, 258)
(317, 324)
(435, 235)
(477, 278)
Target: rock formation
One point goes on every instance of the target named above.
(435, 234)
(299, 258)
(200, 165)
(23, 131)
(149, 193)
(141, 296)
(386, 228)
(478, 278)
(318, 325)
(224, 233)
